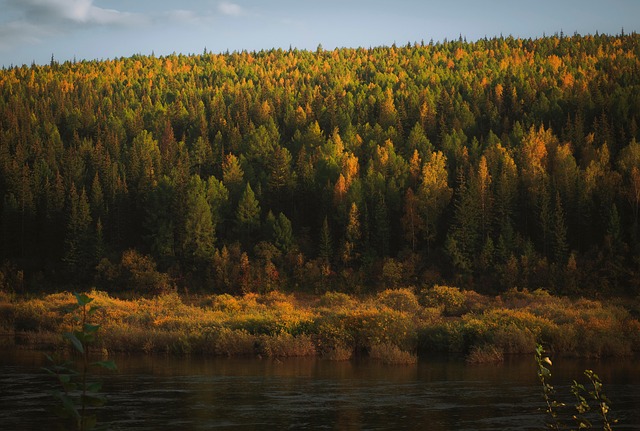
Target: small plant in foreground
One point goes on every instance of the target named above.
(548, 391)
(79, 396)
(579, 391)
(583, 395)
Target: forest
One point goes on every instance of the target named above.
(490, 165)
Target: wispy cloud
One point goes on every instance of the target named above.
(231, 9)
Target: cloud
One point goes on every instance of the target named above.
(56, 12)
(231, 9)
(19, 33)
(183, 17)
(32, 21)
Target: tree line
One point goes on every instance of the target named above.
(498, 163)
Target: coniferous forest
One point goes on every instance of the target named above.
(494, 164)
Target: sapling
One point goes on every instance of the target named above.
(79, 392)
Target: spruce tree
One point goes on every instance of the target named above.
(248, 214)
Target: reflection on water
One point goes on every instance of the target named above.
(162, 393)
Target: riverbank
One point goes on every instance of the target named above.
(394, 326)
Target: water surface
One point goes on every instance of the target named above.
(167, 393)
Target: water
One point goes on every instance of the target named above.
(162, 393)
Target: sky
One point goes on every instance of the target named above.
(34, 30)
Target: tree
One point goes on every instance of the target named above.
(434, 194)
(503, 173)
(199, 237)
(97, 198)
(144, 163)
(280, 175)
(248, 214)
(325, 244)
(418, 142)
(388, 112)
(232, 174)
(560, 247)
(412, 222)
(381, 225)
(629, 163)
(218, 199)
(352, 235)
(482, 185)
(533, 169)
(160, 222)
(282, 233)
(78, 252)
(463, 239)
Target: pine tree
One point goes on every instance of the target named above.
(282, 233)
(381, 223)
(464, 233)
(97, 198)
(325, 246)
(77, 251)
(248, 214)
(560, 248)
(199, 230)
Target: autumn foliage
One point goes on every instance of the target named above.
(499, 163)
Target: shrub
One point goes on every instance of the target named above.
(229, 342)
(260, 324)
(514, 340)
(336, 352)
(336, 300)
(450, 298)
(224, 302)
(7, 313)
(444, 337)
(139, 273)
(485, 354)
(285, 345)
(399, 300)
(390, 354)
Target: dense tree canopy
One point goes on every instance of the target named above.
(504, 162)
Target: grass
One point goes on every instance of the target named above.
(394, 326)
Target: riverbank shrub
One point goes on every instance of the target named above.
(403, 300)
(390, 354)
(335, 325)
(485, 354)
(450, 299)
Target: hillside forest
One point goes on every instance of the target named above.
(491, 164)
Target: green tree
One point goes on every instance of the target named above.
(248, 214)
(325, 243)
(160, 223)
(283, 233)
(280, 176)
(560, 247)
(199, 239)
(78, 252)
(464, 234)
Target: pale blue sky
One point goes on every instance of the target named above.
(33, 30)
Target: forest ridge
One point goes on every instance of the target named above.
(494, 164)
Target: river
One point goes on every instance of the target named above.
(168, 393)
